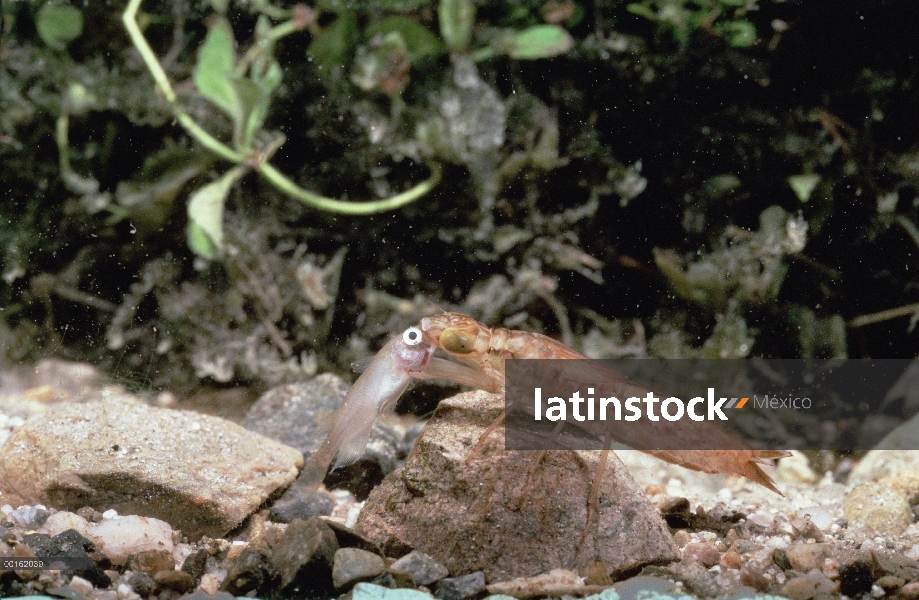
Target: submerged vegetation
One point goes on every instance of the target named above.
(719, 178)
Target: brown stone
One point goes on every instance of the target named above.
(804, 557)
(180, 581)
(150, 561)
(476, 516)
(200, 474)
(705, 553)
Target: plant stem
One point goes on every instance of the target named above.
(270, 173)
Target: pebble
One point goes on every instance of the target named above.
(247, 572)
(142, 584)
(352, 565)
(910, 591)
(807, 586)
(804, 557)
(890, 582)
(64, 520)
(201, 595)
(69, 544)
(417, 568)
(461, 588)
(681, 538)
(795, 469)
(878, 507)
(557, 582)
(201, 474)
(210, 583)
(80, 586)
(761, 519)
(705, 553)
(731, 560)
(754, 570)
(150, 561)
(120, 538)
(30, 517)
(696, 577)
(178, 581)
(820, 516)
(195, 564)
(369, 591)
(125, 592)
(304, 556)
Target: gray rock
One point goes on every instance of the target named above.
(304, 556)
(807, 586)
(30, 517)
(696, 577)
(297, 503)
(353, 565)
(294, 413)
(201, 474)
(644, 586)
(297, 415)
(475, 516)
(461, 588)
(417, 568)
(249, 571)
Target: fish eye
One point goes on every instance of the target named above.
(412, 336)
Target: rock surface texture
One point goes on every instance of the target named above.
(198, 473)
(482, 515)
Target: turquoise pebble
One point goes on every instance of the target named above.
(369, 591)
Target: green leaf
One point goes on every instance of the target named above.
(214, 73)
(456, 18)
(419, 40)
(200, 243)
(249, 96)
(333, 47)
(803, 185)
(149, 196)
(58, 24)
(258, 109)
(541, 41)
(642, 10)
(205, 214)
(739, 34)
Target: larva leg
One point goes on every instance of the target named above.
(477, 449)
(531, 473)
(592, 497)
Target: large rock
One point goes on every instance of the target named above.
(470, 516)
(200, 474)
